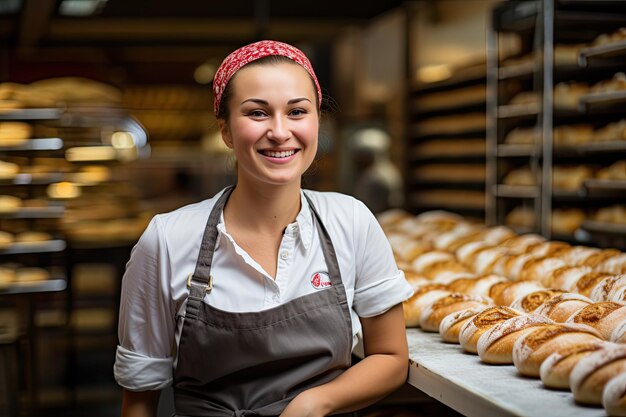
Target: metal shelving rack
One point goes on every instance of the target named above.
(541, 25)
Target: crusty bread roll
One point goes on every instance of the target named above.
(467, 252)
(495, 346)
(514, 265)
(421, 298)
(474, 328)
(613, 265)
(600, 257)
(32, 236)
(477, 285)
(588, 281)
(485, 259)
(614, 396)
(415, 280)
(505, 293)
(31, 274)
(445, 271)
(455, 238)
(408, 249)
(591, 373)
(392, 216)
(548, 249)
(604, 316)
(451, 325)
(539, 270)
(433, 313)
(14, 133)
(565, 278)
(425, 260)
(531, 301)
(441, 218)
(8, 170)
(530, 350)
(10, 204)
(555, 370)
(495, 235)
(7, 276)
(521, 243)
(619, 333)
(6, 239)
(576, 255)
(616, 83)
(561, 307)
(611, 284)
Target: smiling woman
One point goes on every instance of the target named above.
(263, 304)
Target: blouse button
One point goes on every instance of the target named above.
(284, 255)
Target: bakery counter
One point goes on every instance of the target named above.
(462, 382)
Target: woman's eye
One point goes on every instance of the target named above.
(256, 113)
(297, 112)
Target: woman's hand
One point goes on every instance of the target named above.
(305, 404)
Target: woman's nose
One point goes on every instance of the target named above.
(279, 130)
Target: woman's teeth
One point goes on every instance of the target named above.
(282, 154)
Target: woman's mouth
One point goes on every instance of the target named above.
(279, 154)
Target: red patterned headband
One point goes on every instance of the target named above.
(252, 52)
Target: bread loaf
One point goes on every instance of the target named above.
(555, 370)
(521, 243)
(445, 271)
(415, 280)
(531, 301)
(476, 286)
(495, 346)
(561, 307)
(608, 286)
(473, 329)
(485, 259)
(614, 396)
(505, 293)
(600, 257)
(425, 260)
(466, 253)
(604, 316)
(591, 373)
(515, 264)
(565, 278)
(433, 313)
(548, 249)
(530, 350)
(613, 265)
(539, 270)
(451, 325)
(495, 235)
(419, 300)
(619, 333)
(576, 255)
(588, 281)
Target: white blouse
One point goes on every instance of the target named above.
(154, 292)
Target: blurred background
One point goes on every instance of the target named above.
(106, 119)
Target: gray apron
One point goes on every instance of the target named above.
(254, 363)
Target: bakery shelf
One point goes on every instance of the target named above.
(459, 108)
(32, 114)
(39, 144)
(516, 71)
(610, 186)
(464, 78)
(507, 111)
(442, 158)
(601, 51)
(54, 284)
(516, 191)
(34, 179)
(604, 227)
(56, 245)
(461, 381)
(514, 150)
(602, 99)
(599, 147)
(50, 212)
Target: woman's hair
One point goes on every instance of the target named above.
(222, 112)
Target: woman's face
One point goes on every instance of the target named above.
(273, 123)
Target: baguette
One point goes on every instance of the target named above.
(591, 373)
(476, 286)
(561, 307)
(530, 350)
(495, 346)
(614, 396)
(473, 329)
(613, 265)
(433, 313)
(608, 286)
(451, 325)
(505, 293)
(565, 278)
(604, 316)
(421, 298)
(587, 282)
(531, 301)
(540, 269)
(555, 370)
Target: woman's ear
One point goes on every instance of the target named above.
(225, 131)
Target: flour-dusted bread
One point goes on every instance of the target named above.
(609, 285)
(505, 293)
(495, 346)
(593, 372)
(604, 316)
(613, 265)
(565, 278)
(588, 281)
(539, 270)
(451, 325)
(473, 329)
(433, 313)
(485, 260)
(476, 285)
(614, 396)
(555, 370)
(427, 259)
(530, 350)
(522, 243)
(561, 307)
(531, 301)
(421, 297)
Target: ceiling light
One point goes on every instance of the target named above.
(81, 7)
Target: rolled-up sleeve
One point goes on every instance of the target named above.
(379, 284)
(144, 359)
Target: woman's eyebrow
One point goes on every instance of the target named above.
(297, 100)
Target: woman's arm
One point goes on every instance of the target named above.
(383, 370)
(140, 404)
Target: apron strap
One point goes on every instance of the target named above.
(327, 246)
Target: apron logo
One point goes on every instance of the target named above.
(320, 280)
